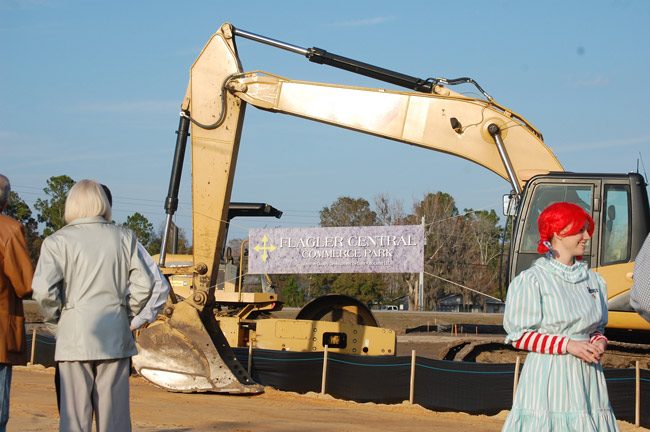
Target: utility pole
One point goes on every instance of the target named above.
(421, 282)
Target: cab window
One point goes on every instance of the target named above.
(545, 195)
(616, 225)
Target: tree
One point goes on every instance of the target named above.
(463, 248)
(346, 211)
(52, 209)
(389, 212)
(368, 288)
(19, 210)
(142, 228)
(291, 293)
(183, 245)
(441, 233)
(484, 237)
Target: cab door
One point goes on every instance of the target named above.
(619, 206)
(540, 193)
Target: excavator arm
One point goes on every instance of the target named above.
(444, 121)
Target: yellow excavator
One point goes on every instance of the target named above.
(187, 349)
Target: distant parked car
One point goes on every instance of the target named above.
(388, 308)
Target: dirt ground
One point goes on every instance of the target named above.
(33, 408)
(33, 403)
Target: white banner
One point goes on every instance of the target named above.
(373, 249)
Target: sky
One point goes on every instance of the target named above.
(92, 90)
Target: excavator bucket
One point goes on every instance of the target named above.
(188, 353)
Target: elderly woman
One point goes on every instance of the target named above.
(557, 310)
(90, 280)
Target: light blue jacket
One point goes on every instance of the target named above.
(90, 280)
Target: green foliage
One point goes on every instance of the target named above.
(52, 209)
(19, 210)
(346, 211)
(142, 228)
(367, 288)
(291, 293)
(436, 206)
(321, 284)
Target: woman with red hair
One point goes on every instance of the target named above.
(557, 310)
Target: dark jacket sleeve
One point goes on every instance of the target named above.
(17, 265)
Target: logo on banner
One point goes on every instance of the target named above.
(264, 248)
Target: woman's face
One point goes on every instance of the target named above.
(574, 245)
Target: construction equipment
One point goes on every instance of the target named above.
(188, 348)
(429, 115)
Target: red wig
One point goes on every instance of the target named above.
(560, 216)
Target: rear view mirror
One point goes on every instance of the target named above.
(510, 204)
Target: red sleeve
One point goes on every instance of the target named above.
(542, 343)
(596, 336)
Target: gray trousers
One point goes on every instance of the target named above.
(99, 387)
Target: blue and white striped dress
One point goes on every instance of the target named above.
(558, 392)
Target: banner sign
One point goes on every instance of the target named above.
(370, 249)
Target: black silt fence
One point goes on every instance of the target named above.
(440, 385)
(621, 386)
(289, 371)
(475, 388)
(463, 328)
(368, 379)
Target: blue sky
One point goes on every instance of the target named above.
(92, 90)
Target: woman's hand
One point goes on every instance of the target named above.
(602, 344)
(587, 351)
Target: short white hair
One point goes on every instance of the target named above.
(5, 190)
(86, 199)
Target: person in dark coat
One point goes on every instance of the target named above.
(15, 284)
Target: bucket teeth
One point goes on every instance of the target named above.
(179, 355)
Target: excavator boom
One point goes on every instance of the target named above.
(441, 120)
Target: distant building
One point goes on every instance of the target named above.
(454, 303)
(494, 306)
(451, 303)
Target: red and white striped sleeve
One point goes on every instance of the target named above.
(596, 336)
(542, 343)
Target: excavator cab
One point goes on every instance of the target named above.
(618, 205)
